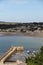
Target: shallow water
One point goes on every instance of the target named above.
(29, 43)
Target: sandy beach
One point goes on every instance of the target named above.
(34, 34)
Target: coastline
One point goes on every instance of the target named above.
(32, 34)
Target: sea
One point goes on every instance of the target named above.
(29, 43)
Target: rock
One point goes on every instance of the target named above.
(20, 48)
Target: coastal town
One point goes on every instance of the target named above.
(22, 27)
(28, 29)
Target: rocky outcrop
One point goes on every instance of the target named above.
(19, 49)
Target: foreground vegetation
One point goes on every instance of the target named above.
(38, 60)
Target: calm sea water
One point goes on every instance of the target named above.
(29, 43)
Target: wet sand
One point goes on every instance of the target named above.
(34, 34)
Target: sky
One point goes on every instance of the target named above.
(21, 10)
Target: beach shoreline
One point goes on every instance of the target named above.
(32, 34)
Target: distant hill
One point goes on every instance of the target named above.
(3, 22)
